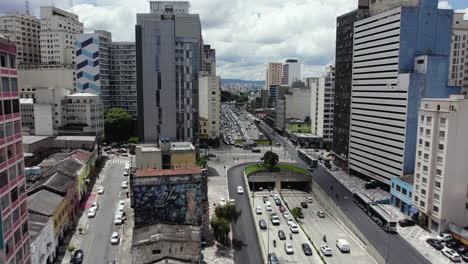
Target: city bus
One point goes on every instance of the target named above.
(375, 211)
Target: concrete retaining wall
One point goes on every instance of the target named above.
(330, 206)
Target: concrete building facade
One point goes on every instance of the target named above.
(168, 66)
(84, 115)
(14, 234)
(291, 72)
(58, 36)
(24, 30)
(46, 76)
(458, 72)
(441, 182)
(274, 74)
(389, 79)
(208, 66)
(166, 155)
(210, 104)
(322, 106)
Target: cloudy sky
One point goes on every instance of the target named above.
(246, 34)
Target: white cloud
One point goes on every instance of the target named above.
(246, 34)
(444, 5)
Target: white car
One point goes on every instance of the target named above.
(120, 209)
(294, 228)
(267, 203)
(91, 212)
(232, 201)
(258, 210)
(122, 202)
(118, 220)
(288, 248)
(240, 190)
(268, 208)
(309, 199)
(451, 254)
(444, 237)
(289, 220)
(100, 190)
(115, 238)
(95, 205)
(286, 215)
(125, 173)
(222, 201)
(124, 185)
(326, 250)
(321, 214)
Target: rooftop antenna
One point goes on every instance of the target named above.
(26, 4)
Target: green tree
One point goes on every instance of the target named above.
(133, 140)
(221, 228)
(118, 124)
(296, 212)
(327, 164)
(270, 159)
(229, 212)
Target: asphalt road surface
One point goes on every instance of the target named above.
(249, 251)
(96, 243)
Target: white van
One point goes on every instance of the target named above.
(343, 245)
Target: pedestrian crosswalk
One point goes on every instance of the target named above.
(118, 161)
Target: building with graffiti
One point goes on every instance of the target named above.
(177, 196)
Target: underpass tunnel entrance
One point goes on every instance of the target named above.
(258, 186)
(302, 186)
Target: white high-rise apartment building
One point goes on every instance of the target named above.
(274, 74)
(58, 30)
(291, 72)
(24, 31)
(209, 96)
(322, 105)
(441, 183)
(458, 74)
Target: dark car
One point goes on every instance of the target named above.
(307, 250)
(461, 249)
(277, 201)
(262, 224)
(435, 243)
(371, 185)
(265, 199)
(211, 155)
(301, 215)
(464, 256)
(452, 243)
(304, 205)
(77, 257)
(407, 222)
(272, 259)
(281, 235)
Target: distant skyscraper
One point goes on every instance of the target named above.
(24, 31)
(291, 72)
(458, 74)
(14, 234)
(169, 46)
(399, 56)
(208, 66)
(274, 73)
(58, 35)
(343, 78)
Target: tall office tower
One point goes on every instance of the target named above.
(458, 73)
(321, 110)
(291, 72)
(210, 106)
(274, 74)
(24, 31)
(14, 234)
(343, 74)
(58, 30)
(399, 56)
(441, 182)
(208, 66)
(92, 64)
(122, 74)
(169, 46)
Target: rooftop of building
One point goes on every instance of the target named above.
(83, 95)
(452, 98)
(26, 101)
(165, 232)
(192, 169)
(296, 121)
(36, 224)
(58, 183)
(306, 135)
(408, 178)
(182, 146)
(76, 138)
(33, 139)
(149, 148)
(44, 202)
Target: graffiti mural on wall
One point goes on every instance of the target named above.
(178, 203)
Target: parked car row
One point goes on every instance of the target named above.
(449, 247)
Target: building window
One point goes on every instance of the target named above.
(421, 129)
(422, 203)
(440, 159)
(398, 188)
(439, 172)
(419, 153)
(416, 198)
(427, 144)
(422, 117)
(156, 251)
(426, 156)
(441, 146)
(425, 168)
(429, 119)
(403, 191)
(428, 132)
(443, 120)
(436, 197)
(442, 134)
(437, 184)
(424, 180)
(435, 209)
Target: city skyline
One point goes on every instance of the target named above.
(240, 32)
